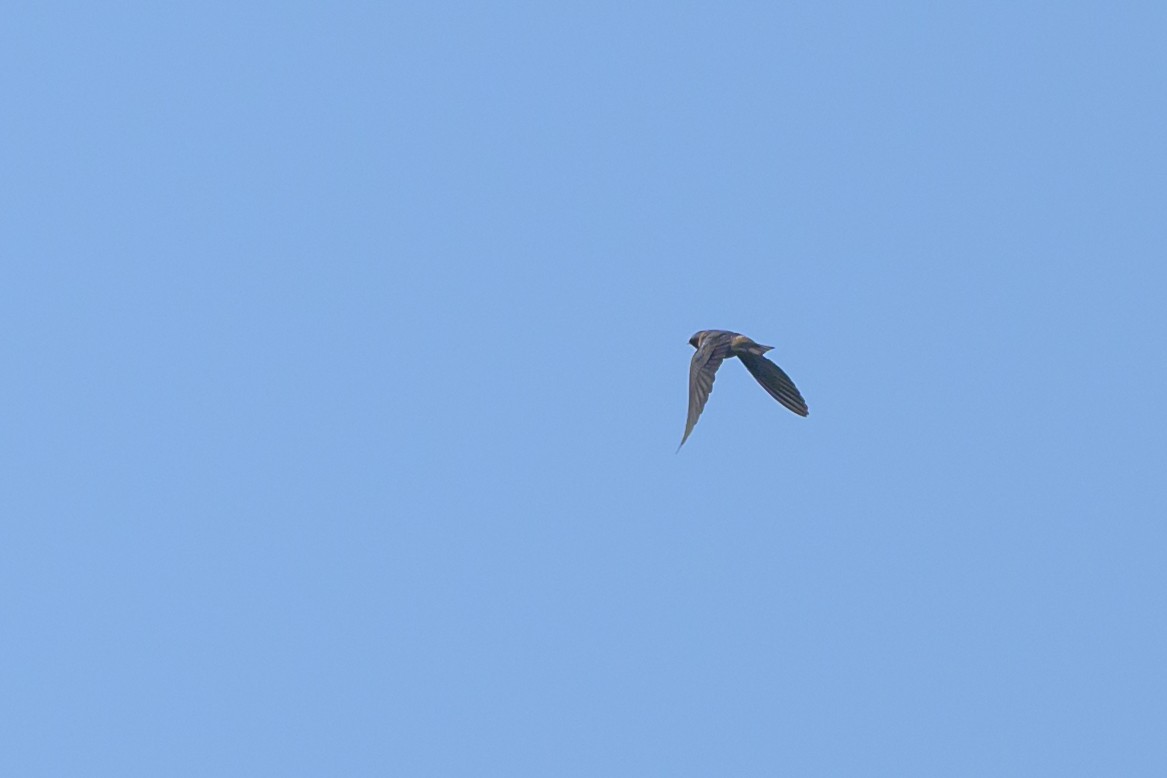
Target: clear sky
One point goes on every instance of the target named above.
(346, 359)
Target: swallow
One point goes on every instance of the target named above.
(713, 348)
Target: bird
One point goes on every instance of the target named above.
(713, 348)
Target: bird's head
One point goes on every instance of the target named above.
(695, 341)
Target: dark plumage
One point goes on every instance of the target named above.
(713, 348)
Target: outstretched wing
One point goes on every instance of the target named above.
(713, 351)
(775, 381)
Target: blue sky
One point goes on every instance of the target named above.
(347, 358)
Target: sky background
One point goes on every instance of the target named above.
(346, 360)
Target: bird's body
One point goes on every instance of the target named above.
(713, 348)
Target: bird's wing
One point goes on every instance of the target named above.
(714, 349)
(775, 381)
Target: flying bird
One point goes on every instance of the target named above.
(713, 348)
